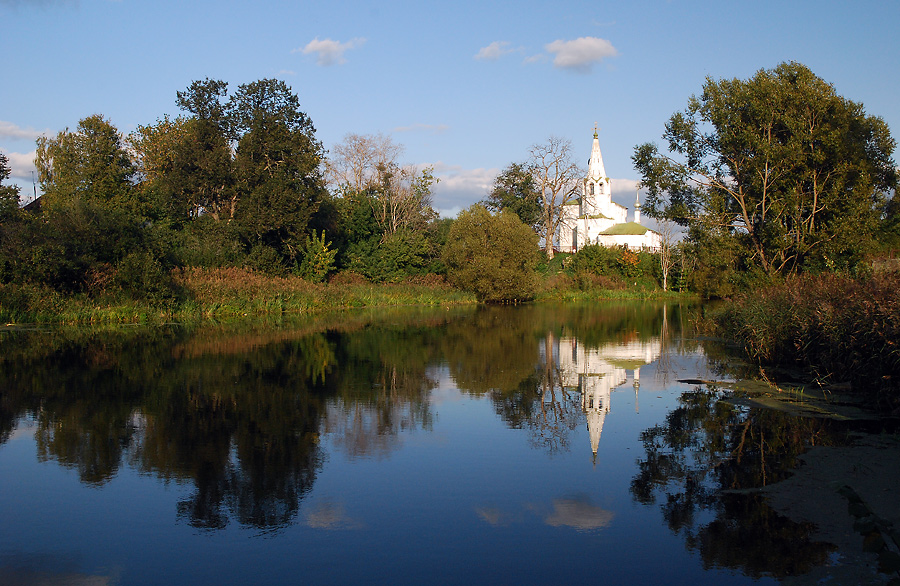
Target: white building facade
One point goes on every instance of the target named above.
(595, 218)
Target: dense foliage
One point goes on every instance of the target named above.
(494, 256)
(841, 329)
(772, 176)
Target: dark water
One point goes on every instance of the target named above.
(527, 445)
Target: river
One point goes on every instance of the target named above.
(481, 445)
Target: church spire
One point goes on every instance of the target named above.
(596, 171)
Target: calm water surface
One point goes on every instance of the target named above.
(481, 445)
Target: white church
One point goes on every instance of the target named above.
(595, 218)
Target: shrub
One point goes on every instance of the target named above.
(493, 256)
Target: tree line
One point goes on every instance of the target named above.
(767, 177)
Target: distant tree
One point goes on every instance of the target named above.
(515, 190)
(9, 194)
(667, 250)
(777, 172)
(556, 176)
(355, 162)
(493, 256)
(91, 164)
(401, 200)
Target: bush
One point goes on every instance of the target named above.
(493, 257)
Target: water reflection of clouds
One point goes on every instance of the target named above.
(330, 516)
(579, 513)
(576, 512)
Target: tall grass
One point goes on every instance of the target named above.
(840, 329)
(221, 293)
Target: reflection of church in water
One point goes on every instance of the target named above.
(597, 372)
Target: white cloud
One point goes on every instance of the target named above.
(581, 54)
(10, 130)
(493, 51)
(432, 128)
(329, 52)
(623, 186)
(459, 188)
(21, 164)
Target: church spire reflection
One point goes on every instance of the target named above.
(596, 372)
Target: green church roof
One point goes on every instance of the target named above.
(626, 229)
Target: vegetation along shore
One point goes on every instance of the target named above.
(774, 193)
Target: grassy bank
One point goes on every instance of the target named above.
(839, 329)
(221, 294)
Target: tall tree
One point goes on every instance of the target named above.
(91, 164)
(205, 158)
(556, 176)
(515, 190)
(277, 164)
(778, 166)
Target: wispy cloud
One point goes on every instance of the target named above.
(494, 51)
(329, 52)
(328, 515)
(10, 130)
(578, 513)
(535, 58)
(459, 188)
(432, 128)
(580, 54)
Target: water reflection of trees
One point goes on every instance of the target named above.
(239, 416)
(511, 355)
(383, 387)
(707, 444)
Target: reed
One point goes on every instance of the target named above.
(840, 329)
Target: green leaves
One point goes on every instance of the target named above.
(493, 256)
(779, 163)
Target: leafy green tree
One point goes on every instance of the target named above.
(778, 169)
(91, 164)
(515, 190)
(494, 256)
(206, 158)
(9, 194)
(277, 165)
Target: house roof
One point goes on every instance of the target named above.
(626, 229)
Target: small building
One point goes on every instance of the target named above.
(594, 218)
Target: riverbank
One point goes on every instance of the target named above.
(841, 331)
(229, 293)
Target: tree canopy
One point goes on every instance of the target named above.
(515, 189)
(776, 174)
(494, 256)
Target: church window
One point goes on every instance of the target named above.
(592, 189)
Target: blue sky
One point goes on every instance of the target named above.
(466, 86)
